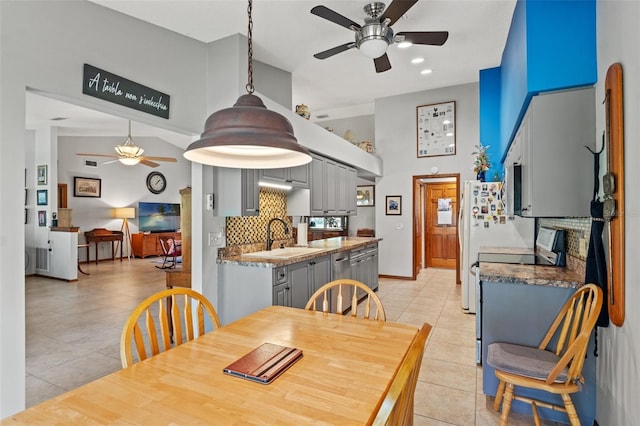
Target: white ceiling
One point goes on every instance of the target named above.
(286, 35)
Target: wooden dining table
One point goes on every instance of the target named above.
(346, 369)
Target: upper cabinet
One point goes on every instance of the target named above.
(332, 190)
(549, 170)
(236, 192)
(542, 54)
(297, 177)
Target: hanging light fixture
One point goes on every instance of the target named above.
(129, 151)
(248, 135)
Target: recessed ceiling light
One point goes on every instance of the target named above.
(404, 44)
(427, 71)
(417, 60)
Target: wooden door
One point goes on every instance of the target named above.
(441, 243)
(418, 192)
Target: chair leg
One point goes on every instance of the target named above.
(536, 417)
(571, 410)
(506, 404)
(499, 393)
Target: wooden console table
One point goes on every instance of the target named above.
(100, 235)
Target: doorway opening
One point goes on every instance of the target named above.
(435, 222)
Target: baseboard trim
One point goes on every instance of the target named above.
(396, 277)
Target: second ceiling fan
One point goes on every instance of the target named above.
(373, 38)
(130, 154)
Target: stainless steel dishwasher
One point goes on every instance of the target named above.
(341, 268)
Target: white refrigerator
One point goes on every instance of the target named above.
(484, 223)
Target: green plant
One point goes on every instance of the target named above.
(481, 162)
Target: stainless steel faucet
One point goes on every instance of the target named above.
(269, 239)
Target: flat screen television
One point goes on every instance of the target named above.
(158, 217)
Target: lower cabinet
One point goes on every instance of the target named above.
(364, 267)
(304, 278)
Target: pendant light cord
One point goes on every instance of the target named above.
(249, 86)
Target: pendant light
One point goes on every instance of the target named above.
(248, 135)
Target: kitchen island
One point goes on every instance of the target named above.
(518, 304)
(248, 283)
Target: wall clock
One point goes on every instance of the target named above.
(156, 182)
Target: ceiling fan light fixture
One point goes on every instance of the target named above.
(248, 135)
(373, 39)
(129, 161)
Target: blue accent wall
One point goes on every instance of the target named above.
(490, 118)
(551, 46)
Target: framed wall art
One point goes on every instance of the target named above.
(42, 175)
(366, 196)
(87, 187)
(42, 218)
(436, 129)
(393, 205)
(42, 197)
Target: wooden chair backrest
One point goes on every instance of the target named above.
(572, 328)
(397, 406)
(158, 330)
(323, 295)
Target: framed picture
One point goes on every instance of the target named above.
(42, 197)
(87, 187)
(42, 175)
(42, 218)
(393, 205)
(366, 196)
(436, 129)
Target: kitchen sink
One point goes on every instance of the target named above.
(283, 253)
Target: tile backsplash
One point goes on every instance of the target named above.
(576, 228)
(253, 229)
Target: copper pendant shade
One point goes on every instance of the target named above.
(248, 135)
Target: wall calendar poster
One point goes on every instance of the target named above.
(436, 125)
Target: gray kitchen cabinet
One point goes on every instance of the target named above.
(550, 169)
(297, 177)
(236, 192)
(364, 267)
(251, 192)
(317, 186)
(306, 277)
(332, 190)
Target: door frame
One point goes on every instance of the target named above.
(416, 183)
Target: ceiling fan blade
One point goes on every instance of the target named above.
(334, 50)
(396, 9)
(382, 63)
(108, 162)
(99, 155)
(434, 38)
(335, 17)
(169, 159)
(148, 163)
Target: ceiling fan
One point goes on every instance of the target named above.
(373, 38)
(130, 154)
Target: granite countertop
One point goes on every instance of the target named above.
(554, 276)
(326, 246)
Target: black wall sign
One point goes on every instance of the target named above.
(110, 87)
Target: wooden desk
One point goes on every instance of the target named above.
(345, 372)
(100, 235)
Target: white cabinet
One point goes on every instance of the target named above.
(549, 171)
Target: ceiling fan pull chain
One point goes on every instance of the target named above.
(249, 87)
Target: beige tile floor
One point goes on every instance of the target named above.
(73, 332)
